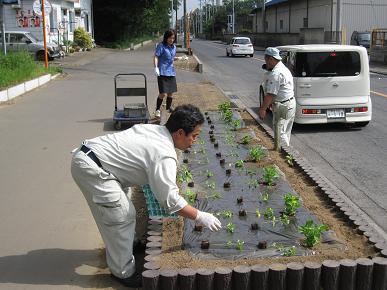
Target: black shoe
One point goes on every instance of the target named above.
(134, 281)
(170, 110)
(139, 247)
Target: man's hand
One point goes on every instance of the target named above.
(262, 113)
(208, 220)
(157, 72)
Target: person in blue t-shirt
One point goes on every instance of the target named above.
(164, 56)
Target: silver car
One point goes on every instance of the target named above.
(24, 40)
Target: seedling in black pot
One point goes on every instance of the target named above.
(254, 226)
(242, 212)
(240, 199)
(205, 244)
(228, 171)
(218, 154)
(191, 184)
(262, 244)
(227, 184)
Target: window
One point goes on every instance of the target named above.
(71, 21)
(281, 24)
(242, 41)
(305, 22)
(327, 64)
(16, 38)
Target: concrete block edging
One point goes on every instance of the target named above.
(20, 89)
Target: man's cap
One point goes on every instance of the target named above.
(273, 52)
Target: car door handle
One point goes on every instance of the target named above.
(335, 85)
(305, 86)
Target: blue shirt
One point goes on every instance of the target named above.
(165, 55)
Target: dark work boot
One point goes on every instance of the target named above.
(139, 247)
(134, 281)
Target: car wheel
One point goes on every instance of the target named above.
(232, 55)
(227, 54)
(251, 55)
(362, 124)
(40, 55)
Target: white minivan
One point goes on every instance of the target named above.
(331, 83)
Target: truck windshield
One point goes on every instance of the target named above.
(327, 64)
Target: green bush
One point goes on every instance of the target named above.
(82, 38)
(17, 67)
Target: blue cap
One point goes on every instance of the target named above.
(273, 52)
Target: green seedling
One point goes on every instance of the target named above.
(257, 213)
(191, 196)
(285, 219)
(239, 163)
(251, 171)
(239, 245)
(269, 175)
(225, 214)
(273, 221)
(230, 243)
(227, 116)
(209, 173)
(253, 183)
(292, 203)
(200, 142)
(202, 151)
(246, 139)
(230, 139)
(211, 184)
(285, 251)
(233, 153)
(215, 195)
(256, 154)
(184, 175)
(235, 124)
(225, 106)
(269, 213)
(290, 159)
(265, 197)
(230, 227)
(312, 232)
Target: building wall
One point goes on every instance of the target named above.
(361, 16)
(60, 23)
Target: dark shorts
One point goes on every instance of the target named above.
(167, 84)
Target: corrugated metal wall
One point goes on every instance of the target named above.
(362, 15)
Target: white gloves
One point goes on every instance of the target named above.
(208, 220)
(157, 72)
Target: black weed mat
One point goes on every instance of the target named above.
(220, 193)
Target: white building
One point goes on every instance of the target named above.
(65, 16)
(324, 17)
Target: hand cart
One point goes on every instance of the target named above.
(133, 113)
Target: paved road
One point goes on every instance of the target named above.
(353, 159)
(48, 239)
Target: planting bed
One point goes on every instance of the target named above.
(176, 259)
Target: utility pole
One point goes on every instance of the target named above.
(171, 14)
(2, 23)
(263, 16)
(233, 17)
(185, 24)
(44, 36)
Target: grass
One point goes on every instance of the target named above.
(18, 67)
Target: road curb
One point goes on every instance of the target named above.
(200, 64)
(20, 89)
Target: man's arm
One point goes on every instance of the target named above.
(188, 212)
(267, 101)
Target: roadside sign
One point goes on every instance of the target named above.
(37, 7)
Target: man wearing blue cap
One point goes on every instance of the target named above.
(279, 91)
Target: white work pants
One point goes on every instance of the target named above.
(285, 121)
(112, 210)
